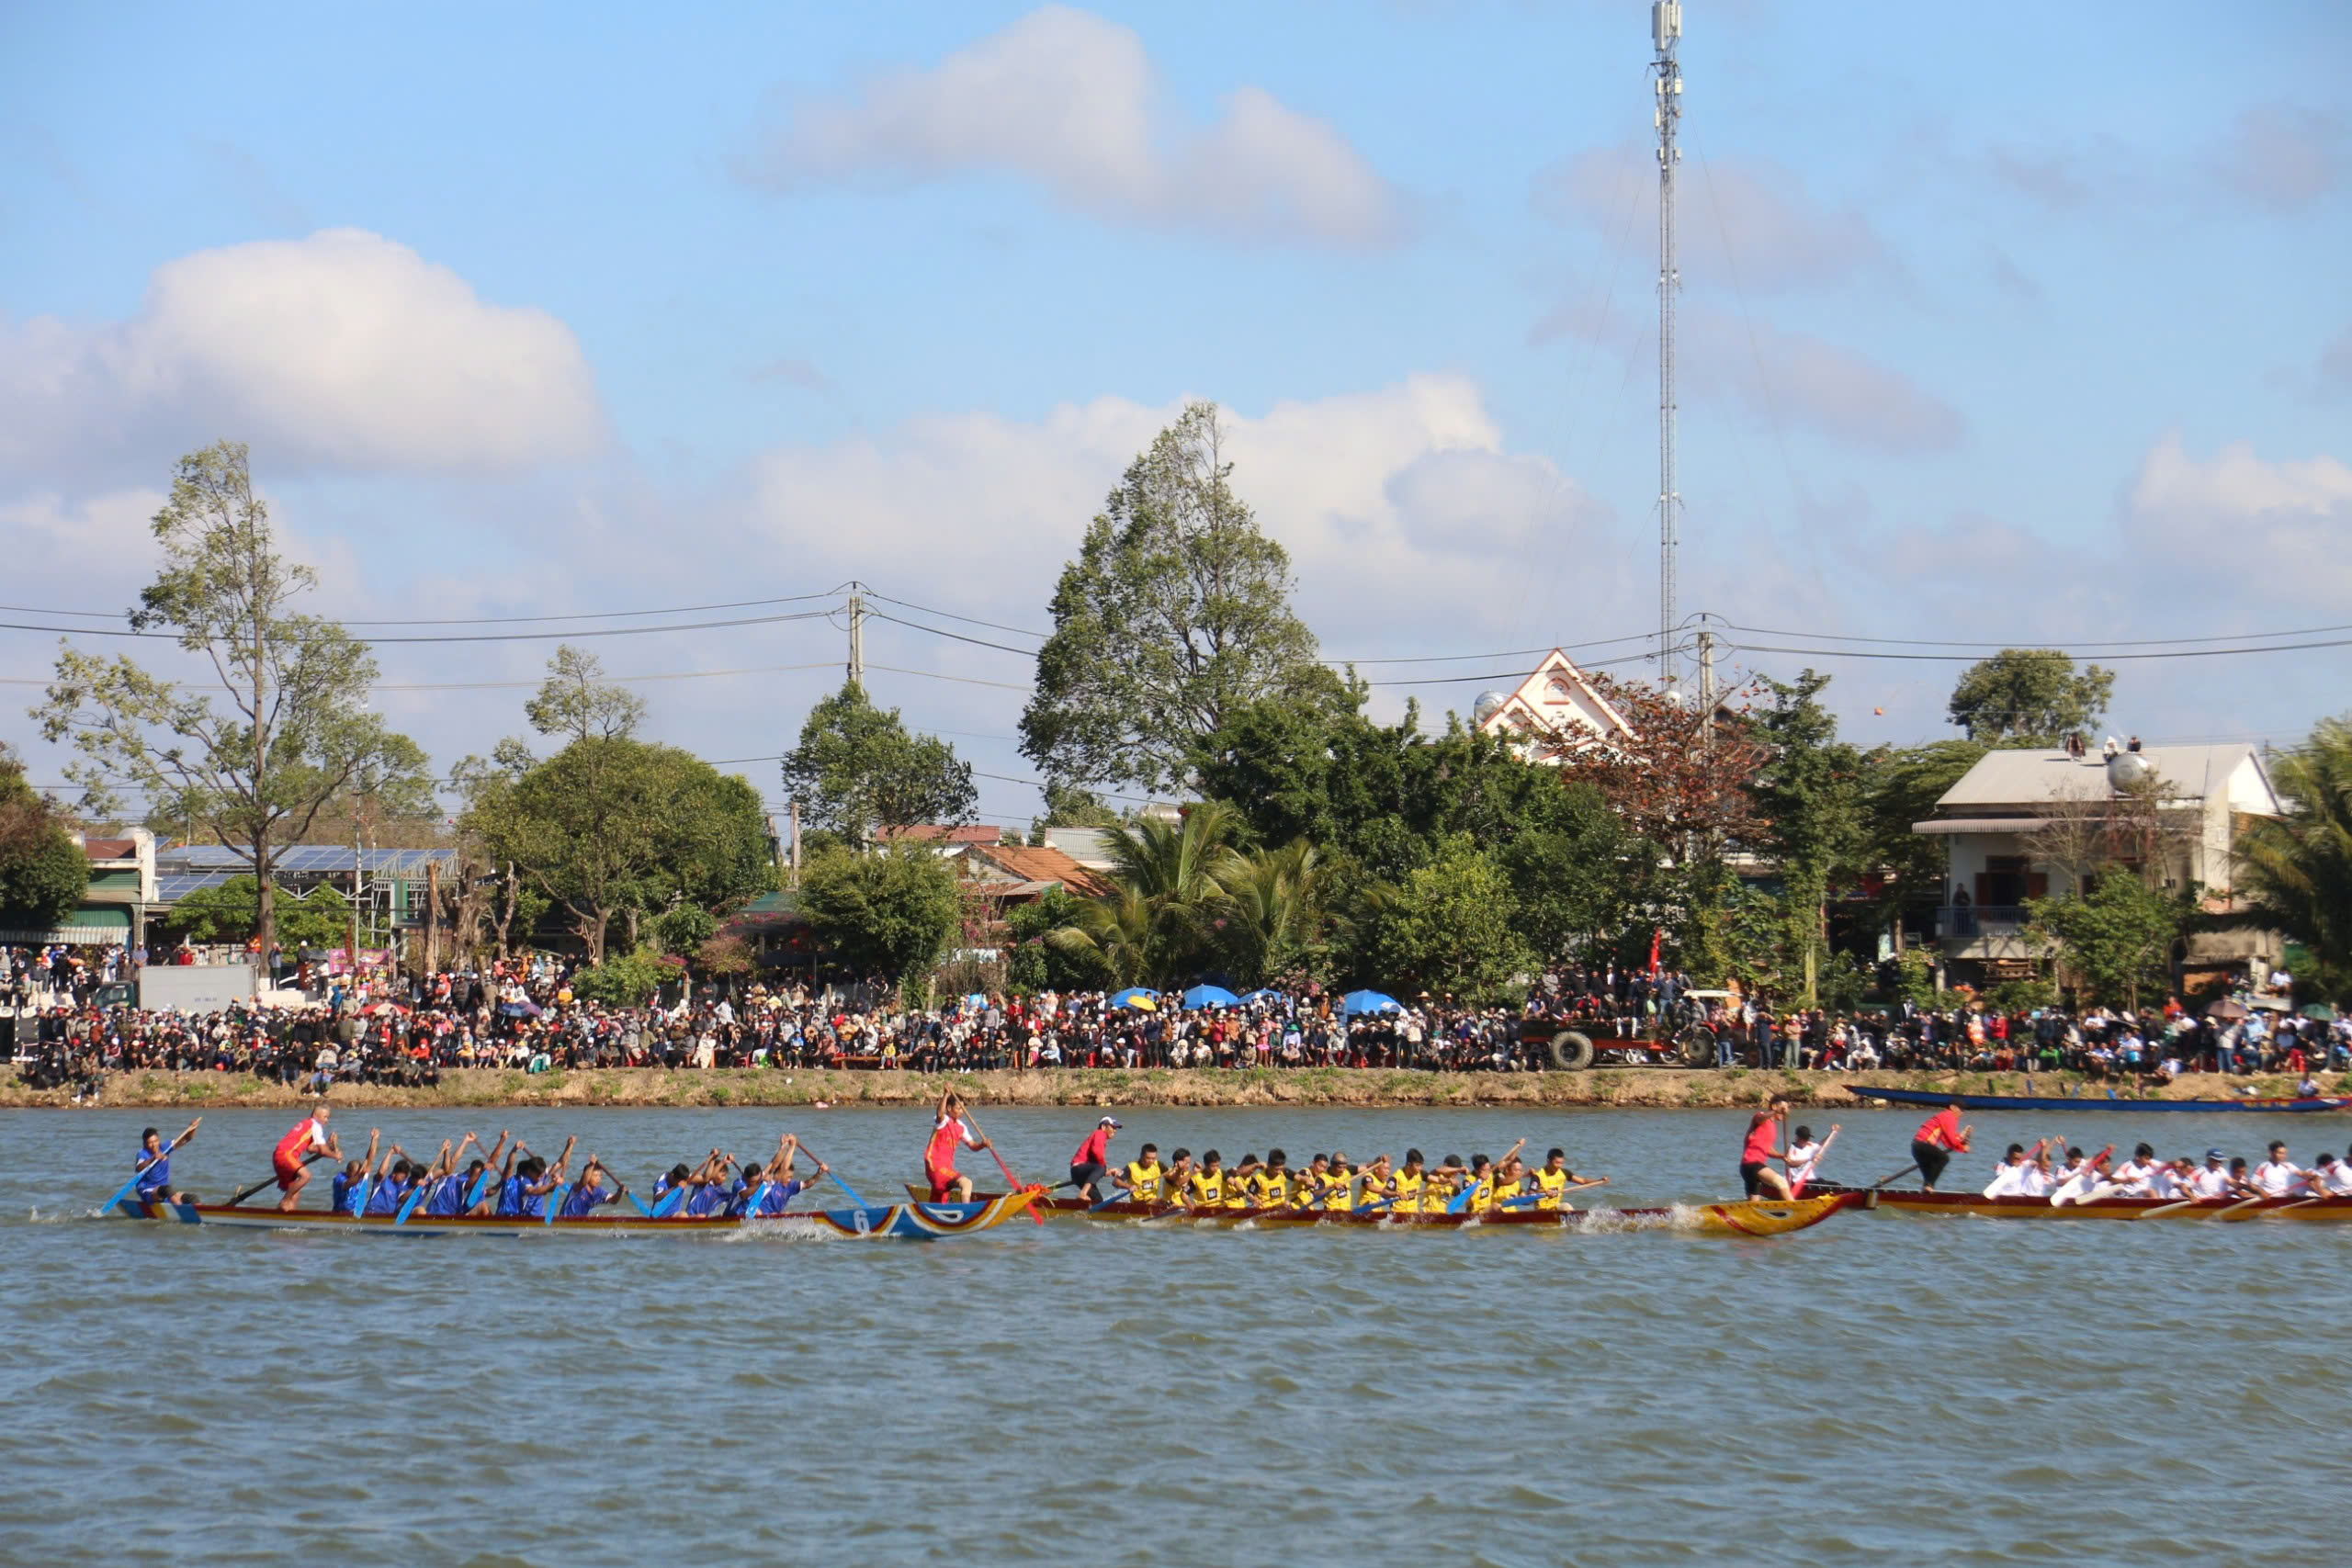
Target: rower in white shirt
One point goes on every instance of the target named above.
(2133, 1177)
(2332, 1176)
(2278, 1176)
(2010, 1176)
(2213, 1177)
(1803, 1157)
(2171, 1178)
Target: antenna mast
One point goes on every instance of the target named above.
(1666, 34)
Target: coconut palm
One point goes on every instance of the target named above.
(1273, 907)
(2299, 867)
(1117, 930)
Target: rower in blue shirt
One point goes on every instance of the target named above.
(590, 1192)
(350, 1180)
(769, 1198)
(154, 1164)
(392, 1187)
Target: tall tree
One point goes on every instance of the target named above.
(2029, 697)
(893, 911)
(2113, 943)
(43, 871)
(857, 770)
(1809, 791)
(1901, 786)
(576, 703)
(1176, 611)
(1447, 927)
(2297, 868)
(296, 733)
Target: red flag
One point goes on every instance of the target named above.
(1658, 934)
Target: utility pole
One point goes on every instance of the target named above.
(432, 916)
(1665, 34)
(795, 880)
(857, 636)
(1707, 680)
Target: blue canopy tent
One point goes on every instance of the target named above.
(1137, 997)
(1359, 1002)
(1211, 997)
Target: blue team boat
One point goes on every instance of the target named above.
(1937, 1097)
(910, 1222)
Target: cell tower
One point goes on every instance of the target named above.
(1666, 34)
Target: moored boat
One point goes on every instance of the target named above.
(2227, 1210)
(1937, 1097)
(911, 1221)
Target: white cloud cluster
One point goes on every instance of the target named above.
(343, 349)
(2286, 526)
(2283, 159)
(1069, 100)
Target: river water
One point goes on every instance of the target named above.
(1882, 1389)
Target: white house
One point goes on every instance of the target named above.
(1554, 714)
(2031, 824)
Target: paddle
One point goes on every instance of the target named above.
(1891, 1176)
(639, 1201)
(2163, 1209)
(555, 1202)
(1011, 1181)
(759, 1195)
(307, 1159)
(835, 1178)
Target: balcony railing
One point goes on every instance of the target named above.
(1980, 919)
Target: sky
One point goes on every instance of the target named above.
(1998, 325)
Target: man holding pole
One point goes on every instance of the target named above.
(308, 1140)
(1939, 1137)
(948, 1131)
(1762, 1147)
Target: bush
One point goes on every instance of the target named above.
(625, 981)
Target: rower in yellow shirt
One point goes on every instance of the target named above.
(1306, 1187)
(1408, 1182)
(1555, 1181)
(1176, 1183)
(1241, 1186)
(1141, 1179)
(1274, 1181)
(1205, 1190)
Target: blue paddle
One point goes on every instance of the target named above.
(555, 1204)
(837, 1180)
(668, 1203)
(358, 1195)
(759, 1195)
(134, 1182)
(639, 1201)
(409, 1204)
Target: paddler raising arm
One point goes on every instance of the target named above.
(948, 1131)
(154, 1164)
(1939, 1137)
(1762, 1147)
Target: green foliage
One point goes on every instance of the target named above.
(2029, 697)
(576, 703)
(1842, 983)
(625, 980)
(614, 829)
(1069, 805)
(1037, 964)
(857, 770)
(1809, 791)
(294, 733)
(2114, 945)
(1915, 977)
(1447, 927)
(1162, 925)
(2021, 996)
(1901, 786)
(42, 871)
(2297, 868)
(224, 912)
(891, 912)
(682, 929)
(1175, 613)
(1274, 916)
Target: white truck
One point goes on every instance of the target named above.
(194, 987)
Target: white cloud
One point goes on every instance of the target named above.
(1779, 236)
(1396, 506)
(1070, 100)
(344, 350)
(2284, 527)
(1781, 376)
(2283, 159)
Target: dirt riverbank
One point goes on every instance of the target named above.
(1642, 1087)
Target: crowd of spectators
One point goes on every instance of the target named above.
(523, 1015)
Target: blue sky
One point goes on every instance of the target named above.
(2000, 323)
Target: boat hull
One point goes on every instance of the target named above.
(910, 1222)
(1753, 1217)
(1937, 1099)
(2227, 1211)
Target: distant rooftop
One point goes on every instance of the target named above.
(2015, 777)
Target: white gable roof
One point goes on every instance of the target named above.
(1557, 708)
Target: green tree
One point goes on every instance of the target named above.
(2114, 943)
(2029, 697)
(295, 733)
(576, 703)
(616, 830)
(893, 911)
(1448, 928)
(1175, 613)
(1069, 805)
(2297, 869)
(44, 872)
(857, 770)
(1900, 786)
(1038, 963)
(224, 912)
(626, 979)
(1273, 911)
(1809, 791)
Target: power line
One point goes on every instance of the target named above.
(2027, 646)
(473, 637)
(1972, 659)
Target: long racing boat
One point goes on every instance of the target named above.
(1937, 1098)
(2337, 1211)
(911, 1221)
(1750, 1217)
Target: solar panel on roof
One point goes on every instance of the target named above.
(171, 889)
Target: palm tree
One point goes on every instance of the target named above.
(1174, 868)
(2299, 867)
(1118, 930)
(1272, 908)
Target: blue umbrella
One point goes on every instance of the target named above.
(1135, 997)
(1356, 1002)
(1211, 997)
(519, 1010)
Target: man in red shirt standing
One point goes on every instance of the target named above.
(1093, 1158)
(309, 1138)
(1762, 1147)
(1939, 1137)
(948, 1131)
